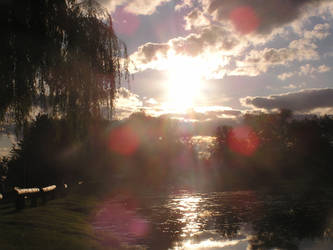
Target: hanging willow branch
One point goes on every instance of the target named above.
(61, 57)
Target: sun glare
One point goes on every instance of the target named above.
(184, 83)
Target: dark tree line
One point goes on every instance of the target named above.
(287, 150)
(266, 150)
(141, 152)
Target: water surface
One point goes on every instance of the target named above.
(220, 220)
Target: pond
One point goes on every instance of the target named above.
(218, 220)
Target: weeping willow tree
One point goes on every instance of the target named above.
(60, 57)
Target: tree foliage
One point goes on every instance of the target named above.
(289, 149)
(60, 56)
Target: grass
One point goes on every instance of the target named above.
(63, 223)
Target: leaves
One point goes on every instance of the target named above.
(58, 56)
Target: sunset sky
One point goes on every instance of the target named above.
(201, 60)
(207, 62)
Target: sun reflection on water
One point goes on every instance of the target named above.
(211, 244)
(193, 214)
(188, 206)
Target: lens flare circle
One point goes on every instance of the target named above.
(125, 23)
(243, 140)
(245, 19)
(123, 140)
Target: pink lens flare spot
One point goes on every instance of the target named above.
(138, 227)
(125, 22)
(123, 140)
(245, 19)
(120, 216)
(243, 140)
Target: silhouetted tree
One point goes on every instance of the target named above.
(34, 159)
(4, 166)
(58, 55)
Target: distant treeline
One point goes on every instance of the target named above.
(151, 153)
(139, 150)
(270, 149)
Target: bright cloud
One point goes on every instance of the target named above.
(212, 49)
(126, 103)
(285, 76)
(303, 49)
(225, 42)
(305, 70)
(218, 46)
(139, 7)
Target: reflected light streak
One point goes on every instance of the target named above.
(207, 244)
(188, 206)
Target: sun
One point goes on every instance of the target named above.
(184, 84)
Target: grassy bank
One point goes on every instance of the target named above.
(63, 223)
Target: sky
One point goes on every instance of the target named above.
(207, 62)
(214, 60)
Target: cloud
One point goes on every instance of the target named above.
(6, 142)
(111, 5)
(211, 48)
(320, 31)
(184, 4)
(149, 53)
(139, 7)
(259, 61)
(269, 15)
(196, 19)
(303, 49)
(206, 114)
(215, 43)
(126, 103)
(285, 76)
(144, 7)
(294, 86)
(302, 101)
(311, 70)
(4, 151)
(323, 69)
(305, 70)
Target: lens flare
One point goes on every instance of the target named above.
(124, 22)
(124, 141)
(243, 140)
(244, 19)
(121, 220)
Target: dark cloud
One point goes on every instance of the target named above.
(303, 101)
(270, 13)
